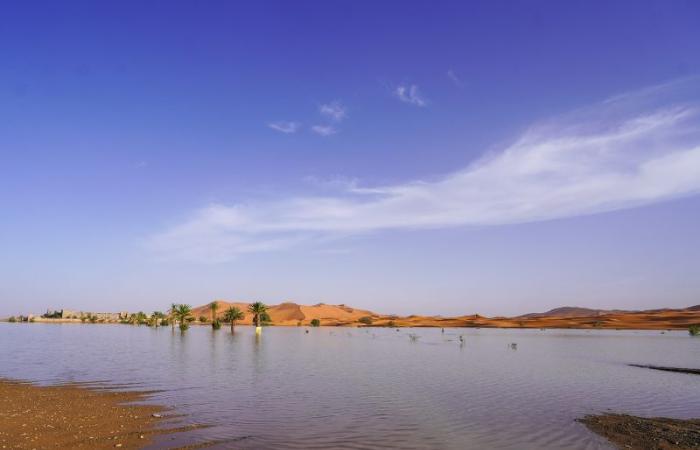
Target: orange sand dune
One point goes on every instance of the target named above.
(290, 313)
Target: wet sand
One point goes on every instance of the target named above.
(71, 416)
(629, 432)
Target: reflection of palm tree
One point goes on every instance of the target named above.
(182, 313)
(259, 311)
(232, 315)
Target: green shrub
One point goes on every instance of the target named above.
(184, 326)
(367, 320)
(202, 319)
(93, 319)
(13, 319)
(391, 324)
(216, 325)
(315, 323)
(694, 330)
(164, 322)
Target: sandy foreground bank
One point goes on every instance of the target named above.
(71, 416)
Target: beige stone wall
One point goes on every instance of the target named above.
(104, 316)
(70, 314)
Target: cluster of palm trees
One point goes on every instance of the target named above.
(157, 318)
(182, 314)
(179, 312)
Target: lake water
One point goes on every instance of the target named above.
(372, 387)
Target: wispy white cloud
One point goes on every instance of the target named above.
(324, 130)
(410, 94)
(334, 182)
(285, 127)
(334, 110)
(621, 153)
(455, 79)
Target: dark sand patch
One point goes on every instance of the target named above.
(630, 432)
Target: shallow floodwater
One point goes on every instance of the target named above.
(371, 387)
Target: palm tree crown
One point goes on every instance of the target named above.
(258, 309)
(182, 313)
(232, 315)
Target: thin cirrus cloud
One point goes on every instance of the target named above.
(324, 130)
(455, 78)
(334, 111)
(410, 94)
(285, 127)
(631, 150)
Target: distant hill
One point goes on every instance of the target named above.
(575, 311)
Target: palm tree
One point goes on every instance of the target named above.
(141, 318)
(182, 313)
(213, 306)
(171, 313)
(232, 315)
(259, 310)
(156, 317)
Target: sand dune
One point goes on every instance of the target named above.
(291, 314)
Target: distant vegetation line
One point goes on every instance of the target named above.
(221, 312)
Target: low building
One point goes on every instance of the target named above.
(101, 316)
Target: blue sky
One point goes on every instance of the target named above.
(442, 157)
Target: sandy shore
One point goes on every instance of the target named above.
(70, 416)
(629, 432)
